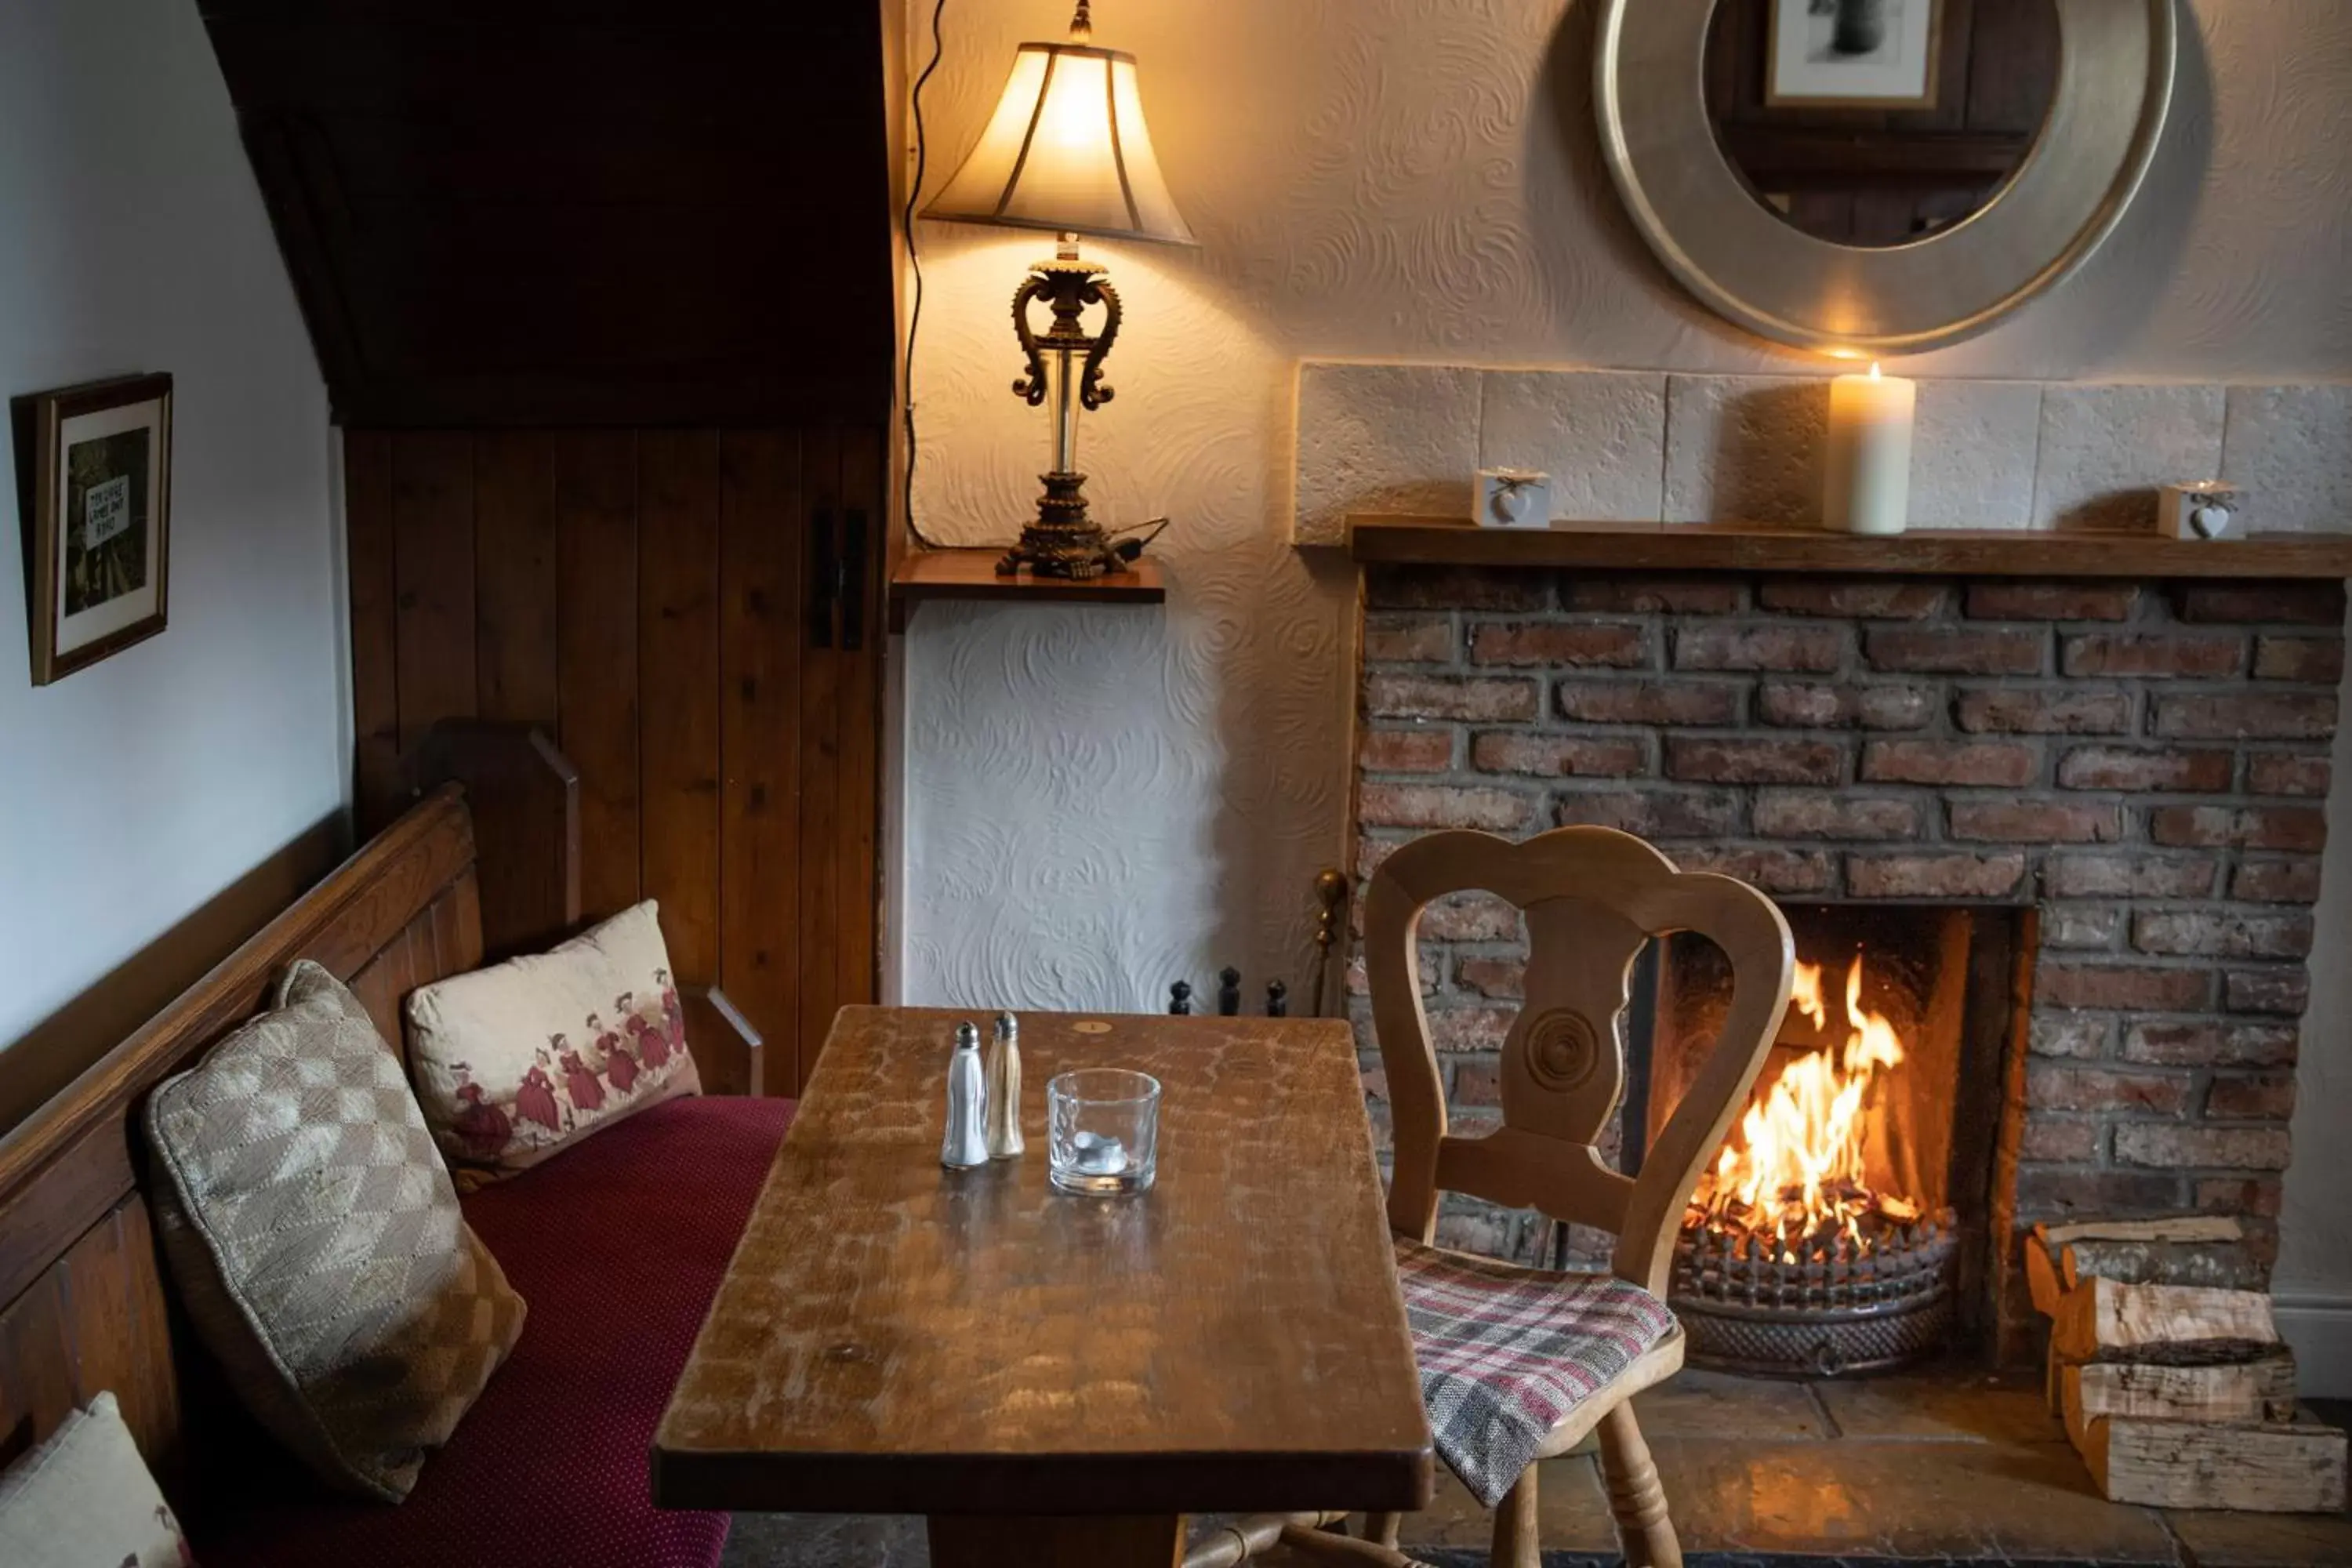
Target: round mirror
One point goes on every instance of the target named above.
(1879, 176)
(1878, 123)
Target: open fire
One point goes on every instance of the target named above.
(1794, 1184)
(1794, 1256)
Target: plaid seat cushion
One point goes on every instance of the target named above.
(1506, 1353)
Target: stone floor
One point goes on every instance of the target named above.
(1922, 1468)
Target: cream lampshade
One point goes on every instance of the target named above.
(1066, 151)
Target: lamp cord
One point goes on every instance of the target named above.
(915, 263)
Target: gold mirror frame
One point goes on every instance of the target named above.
(2115, 87)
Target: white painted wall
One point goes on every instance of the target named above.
(136, 789)
(1099, 800)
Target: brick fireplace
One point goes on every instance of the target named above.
(2137, 769)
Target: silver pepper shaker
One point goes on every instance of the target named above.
(1005, 1090)
(966, 1143)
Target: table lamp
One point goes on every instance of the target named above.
(1066, 151)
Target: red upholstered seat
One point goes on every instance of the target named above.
(617, 1246)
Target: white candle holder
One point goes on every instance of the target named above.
(2208, 509)
(1513, 497)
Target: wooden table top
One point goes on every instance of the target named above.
(894, 1338)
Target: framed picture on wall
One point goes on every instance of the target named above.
(1854, 54)
(95, 493)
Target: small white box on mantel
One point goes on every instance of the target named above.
(1513, 497)
(2206, 510)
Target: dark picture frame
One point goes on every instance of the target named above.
(94, 498)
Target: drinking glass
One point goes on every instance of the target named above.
(1102, 1131)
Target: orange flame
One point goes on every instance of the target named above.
(1796, 1170)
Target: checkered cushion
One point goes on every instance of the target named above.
(1506, 1353)
(317, 1244)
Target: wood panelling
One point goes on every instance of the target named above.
(695, 615)
(678, 667)
(761, 715)
(597, 659)
(515, 585)
(519, 786)
(375, 686)
(432, 579)
(93, 1323)
(506, 218)
(863, 467)
(608, 211)
(821, 806)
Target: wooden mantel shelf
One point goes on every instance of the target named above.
(928, 574)
(1978, 553)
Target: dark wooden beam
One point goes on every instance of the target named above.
(1985, 552)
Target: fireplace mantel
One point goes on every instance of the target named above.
(1676, 547)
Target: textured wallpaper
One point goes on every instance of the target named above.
(1099, 800)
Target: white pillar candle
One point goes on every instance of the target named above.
(1867, 488)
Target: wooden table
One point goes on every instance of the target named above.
(1052, 1378)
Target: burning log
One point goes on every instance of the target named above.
(1795, 1178)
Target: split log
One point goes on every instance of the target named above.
(2103, 1249)
(2262, 1468)
(2248, 1392)
(2215, 1265)
(2184, 1227)
(2042, 1279)
(2166, 1325)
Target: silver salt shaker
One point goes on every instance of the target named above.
(966, 1143)
(1005, 1090)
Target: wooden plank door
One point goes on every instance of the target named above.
(695, 617)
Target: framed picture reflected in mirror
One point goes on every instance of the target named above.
(94, 467)
(1857, 54)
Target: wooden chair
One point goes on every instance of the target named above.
(1592, 896)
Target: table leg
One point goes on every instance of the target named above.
(1102, 1540)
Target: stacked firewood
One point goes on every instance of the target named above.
(2167, 1368)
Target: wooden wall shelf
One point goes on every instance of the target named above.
(1982, 552)
(927, 574)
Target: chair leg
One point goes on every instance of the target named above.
(1383, 1528)
(1635, 1498)
(1320, 1546)
(1515, 1526)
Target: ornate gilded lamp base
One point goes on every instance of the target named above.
(1063, 541)
(1066, 363)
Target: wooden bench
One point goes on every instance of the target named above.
(89, 1306)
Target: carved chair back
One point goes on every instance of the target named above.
(1591, 897)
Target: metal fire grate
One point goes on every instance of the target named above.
(1848, 1309)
